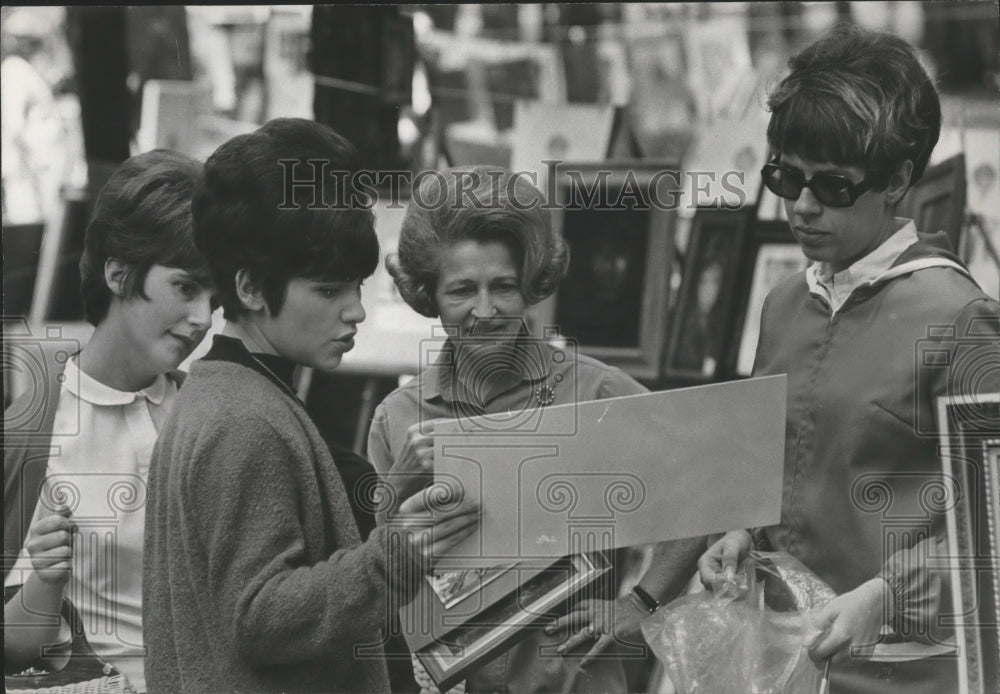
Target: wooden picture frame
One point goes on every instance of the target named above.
(970, 456)
(542, 598)
(700, 327)
(613, 301)
(937, 200)
(770, 256)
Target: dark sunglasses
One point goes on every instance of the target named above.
(830, 189)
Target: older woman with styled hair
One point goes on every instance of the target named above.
(852, 129)
(477, 248)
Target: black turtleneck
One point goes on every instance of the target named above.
(354, 470)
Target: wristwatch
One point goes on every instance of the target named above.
(645, 599)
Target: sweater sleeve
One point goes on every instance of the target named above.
(242, 505)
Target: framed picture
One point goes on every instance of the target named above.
(613, 300)
(455, 585)
(497, 628)
(937, 201)
(970, 443)
(772, 255)
(700, 328)
(566, 132)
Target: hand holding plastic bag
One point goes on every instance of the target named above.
(747, 635)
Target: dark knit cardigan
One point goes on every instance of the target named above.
(255, 578)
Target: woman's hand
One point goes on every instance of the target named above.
(719, 563)
(605, 621)
(429, 530)
(850, 624)
(50, 545)
(414, 466)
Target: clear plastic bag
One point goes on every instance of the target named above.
(748, 635)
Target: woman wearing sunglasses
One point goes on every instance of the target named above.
(852, 128)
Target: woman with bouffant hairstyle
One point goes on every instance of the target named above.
(511, 207)
(477, 248)
(256, 577)
(147, 291)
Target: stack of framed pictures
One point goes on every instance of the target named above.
(462, 618)
(969, 430)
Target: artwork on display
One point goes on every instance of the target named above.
(559, 132)
(613, 300)
(982, 167)
(720, 67)
(979, 247)
(662, 106)
(771, 257)
(970, 444)
(492, 631)
(700, 327)
(726, 156)
(498, 72)
(508, 83)
(937, 201)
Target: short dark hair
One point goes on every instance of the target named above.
(483, 204)
(247, 216)
(142, 218)
(857, 98)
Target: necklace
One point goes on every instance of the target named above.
(284, 386)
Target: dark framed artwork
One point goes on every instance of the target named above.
(937, 201)
(771, 256)
(699, 332)
(617, 219)
(969, 430)
(497, 628)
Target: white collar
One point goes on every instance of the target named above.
(836, 287)
(96, 393)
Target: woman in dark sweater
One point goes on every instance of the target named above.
(256, 578)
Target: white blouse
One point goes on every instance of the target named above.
(98, 464)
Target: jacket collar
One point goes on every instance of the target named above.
(904, 252)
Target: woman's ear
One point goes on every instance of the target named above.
(899, 182)
(114, 276)
(248, 292)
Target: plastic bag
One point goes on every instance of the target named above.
(746, 636)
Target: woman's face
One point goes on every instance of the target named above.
(837, 235)
(165, 330)
(317, 322)
(478, 292)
